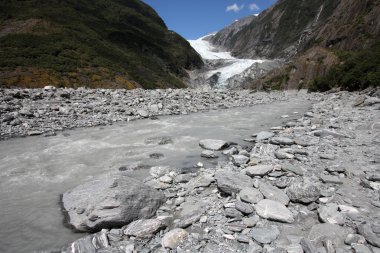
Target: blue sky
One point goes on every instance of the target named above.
(195, 18)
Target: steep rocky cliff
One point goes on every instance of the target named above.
(94, 43)
(308, 34)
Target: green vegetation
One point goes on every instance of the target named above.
(126, 37)
(358, 70)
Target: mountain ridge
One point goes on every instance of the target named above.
(109, 44)
(313, 37)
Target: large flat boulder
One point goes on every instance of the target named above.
(273, 193)
(110, 202)
(215, 145)
(273, 210)
(232, 182)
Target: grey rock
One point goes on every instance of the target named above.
(308, 246)
(34, 133)
(258, 170)
(273, 193)
(292, 168)
(281, 154)
(111, 202)
(283, 182)
(143, 113)
(327, 157)
(242, 238)
(326, 132)
(232, 213)
(90, 243)
(231, 182)
(182, 178)
(189, 220)
(265, 235)
(264, 136)
(231, 151)
(251, 221)
(174, 237)
(239, 160)
(244, 207)
(250, 195)
(354, 238)
(254, 248)
(324, 231)
(208, 154)
(294, 248)
(303, 192)
(360, 248)
(329, 246)
(281, 141)
(274, 210)
(203, 180)
(330, 214)
(214, 145)
(143, 228)
(330, 179)
(365, 230)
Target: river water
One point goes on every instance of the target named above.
(34, 171)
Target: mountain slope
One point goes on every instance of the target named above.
(95, 43)
(313, 36)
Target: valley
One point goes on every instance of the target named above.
(128, 128)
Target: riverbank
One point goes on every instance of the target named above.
(28, 112)
(310, 185)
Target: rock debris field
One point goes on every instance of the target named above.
(27, 112)
(311, 185)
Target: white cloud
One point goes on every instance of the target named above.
(254, 7)
(235, 8)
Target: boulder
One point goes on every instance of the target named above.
(264, 136)
(250, 195)
(231, 182)
(90, 243)
(110, 202)
(366, 231)
(174, 237)
(281, 141)
(265, 235)
(143, 228)
(273, 210)
(258, 170)
(330, 214)
(273, 193)
(214, 145)
(239, 159)
(334, 232)
(303, 192)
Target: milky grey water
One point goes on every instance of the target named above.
(34, 171)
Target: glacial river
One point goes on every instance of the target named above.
(34, 171)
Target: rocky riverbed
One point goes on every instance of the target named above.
(27, 112)
(310, 185)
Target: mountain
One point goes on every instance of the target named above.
(314, 37)
(93, 43)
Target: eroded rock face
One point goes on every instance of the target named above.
(110, 202)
